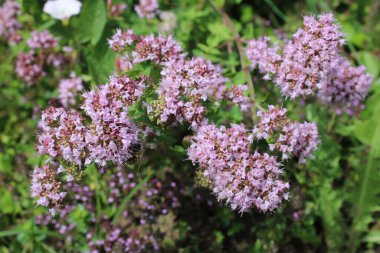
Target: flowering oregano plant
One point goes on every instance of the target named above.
(159, 85)
(311, 62)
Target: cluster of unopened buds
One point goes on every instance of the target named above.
(43, 53)
(311, 62)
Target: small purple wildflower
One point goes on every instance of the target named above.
(69, 88)
(147, 8)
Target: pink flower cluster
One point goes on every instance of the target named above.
(9, 25)
(242, 179)
(82, 195)
(312, 49)
(68, 89)
(29, 68)
(43, 53)
(186, 84)
(270, 121)
(110, 136)
(42, 40)
(113, 135)
(120, 40)
(146, 8)
(236, 95)
(158, 49)
(344, 87)
(312, 61)
(298, 140)
(291, 138)
(118, 9)
(63, 135)
(47, 188)
(138, 228)
(262, 54)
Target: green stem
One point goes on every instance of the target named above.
(123, 204)
(276, 10)
(332, 122)
(238, 41)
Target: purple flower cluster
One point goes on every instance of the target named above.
(262, 54)
(63, 136)
(311, 62)
(30, 67)
(236, 95)
(47, 188)
(118, 9)
(154, 199)
(158, 49)
(134, 241)
(42, 40)
(186, 84)
(137, 230)
(344, 87)
(312, 50)
(69, 88)
(9, 25)
(291, 138)
(270, 121)
(82, 195)
(298, 140)
(147, 8)
(120, 40)
(113, 136)
(242, 179)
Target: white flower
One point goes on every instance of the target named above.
(62, 9)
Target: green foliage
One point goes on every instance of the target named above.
(92, 21)
(334, 202)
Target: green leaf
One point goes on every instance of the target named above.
(366, 130)
(92, 21)
(373, 237)
(371, 62)
(366, 196)
(12, 232)
(8, 205)
(219, 3)
(330, 203)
